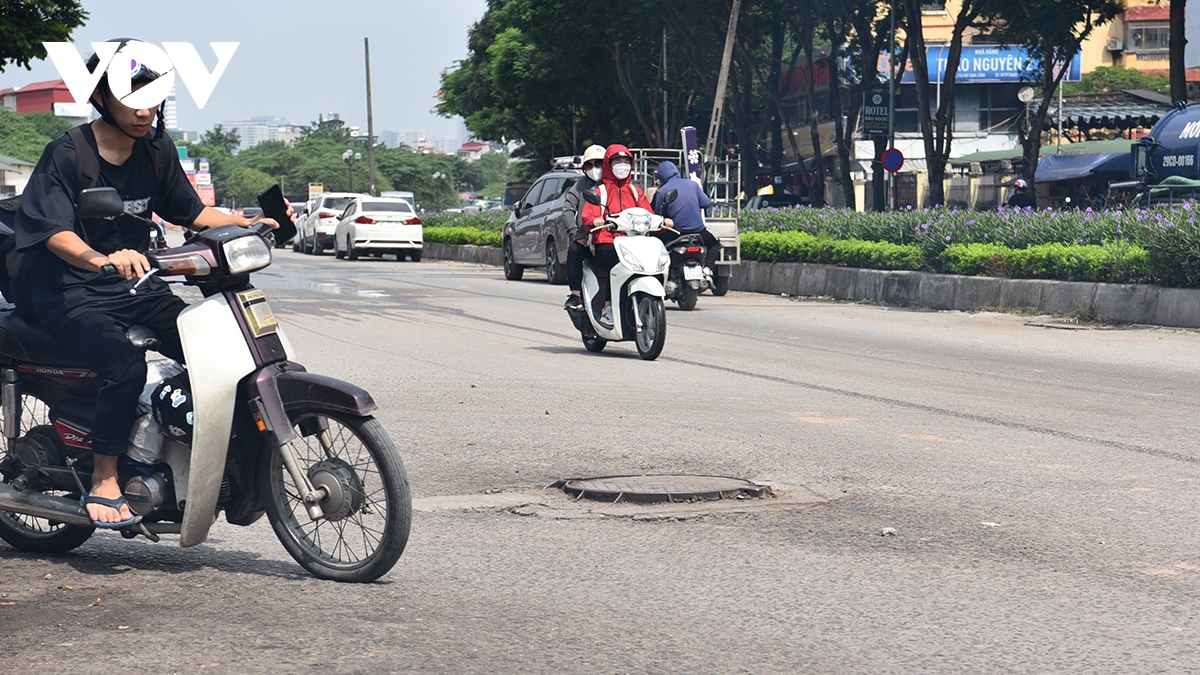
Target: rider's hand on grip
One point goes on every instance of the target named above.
(109, 270)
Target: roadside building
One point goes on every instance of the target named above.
(473, 150)
(14, 174)
(49, 96)
(987, 111)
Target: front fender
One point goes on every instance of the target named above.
(218, 358)
(280, 389)
(648, 285)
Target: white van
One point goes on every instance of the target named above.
(401, 194)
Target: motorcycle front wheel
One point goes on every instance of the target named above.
(368, 511)
(653, 332)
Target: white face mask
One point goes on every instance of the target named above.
(622, 171)
(594, 174)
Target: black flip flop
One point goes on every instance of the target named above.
(117, 503)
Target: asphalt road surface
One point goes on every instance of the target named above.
(1038, 483)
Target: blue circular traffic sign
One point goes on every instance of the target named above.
(892, 160)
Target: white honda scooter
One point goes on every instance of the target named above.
(635, 285)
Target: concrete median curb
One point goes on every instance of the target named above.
(1132, 303)
(484, 255)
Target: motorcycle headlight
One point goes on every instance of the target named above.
(246, 254)
(640, 223)
(664, 260)
(629, 260)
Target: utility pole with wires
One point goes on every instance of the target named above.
(714, 123)
(370, 124)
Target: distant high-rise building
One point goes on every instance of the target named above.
(394, 138)
(259, 129)
(170, 116)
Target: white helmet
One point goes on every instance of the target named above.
(1020, 184)
(594, 152)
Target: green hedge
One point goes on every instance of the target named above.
(803, 247)
(488, 220)
(1118, 263)
(1147, 245)
(461, 235)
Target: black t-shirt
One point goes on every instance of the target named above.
(59, 289)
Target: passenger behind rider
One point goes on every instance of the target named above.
(686, 212)
(577, 250)
(618, 193)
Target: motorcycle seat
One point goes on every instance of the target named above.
(23, 341)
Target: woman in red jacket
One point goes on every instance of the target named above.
(618, 193)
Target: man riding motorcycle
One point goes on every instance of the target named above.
(617, 193)
(686, 212)
(59, 282)
(577, 250)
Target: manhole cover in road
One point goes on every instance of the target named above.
(661, 488)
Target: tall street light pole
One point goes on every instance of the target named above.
(370, 122)
(349, 157)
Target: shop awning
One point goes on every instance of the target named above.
(1053, 168)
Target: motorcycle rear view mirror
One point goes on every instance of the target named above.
(101, 202)
(669, 196)
(591, 197)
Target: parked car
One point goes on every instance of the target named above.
(314, 234)
(779, 201)
(536, 232)
(378, 225)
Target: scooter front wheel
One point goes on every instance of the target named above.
(653, 332)
(367, 511)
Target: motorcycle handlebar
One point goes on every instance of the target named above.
(109, 270)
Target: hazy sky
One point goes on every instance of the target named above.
(298, 57)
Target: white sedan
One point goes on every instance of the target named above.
(314, 233)
(378, 225)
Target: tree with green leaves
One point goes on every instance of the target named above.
(557, 75)
(48, 124)
(19, 136)
(1051, 32)
(1115, 78)
(26, 24)
(245, 184)
(219, 138)
(937, 126)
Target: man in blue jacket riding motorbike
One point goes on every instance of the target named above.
(686, 212)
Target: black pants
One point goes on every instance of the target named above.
(97, 340)
(576, 254)
(712, 247)
(604, 258)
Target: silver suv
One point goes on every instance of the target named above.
(536, 232)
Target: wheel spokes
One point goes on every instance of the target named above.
(355, 538)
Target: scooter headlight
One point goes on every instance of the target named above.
(664, 260)
(246, 254)
(629, 259)
(640, 223)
